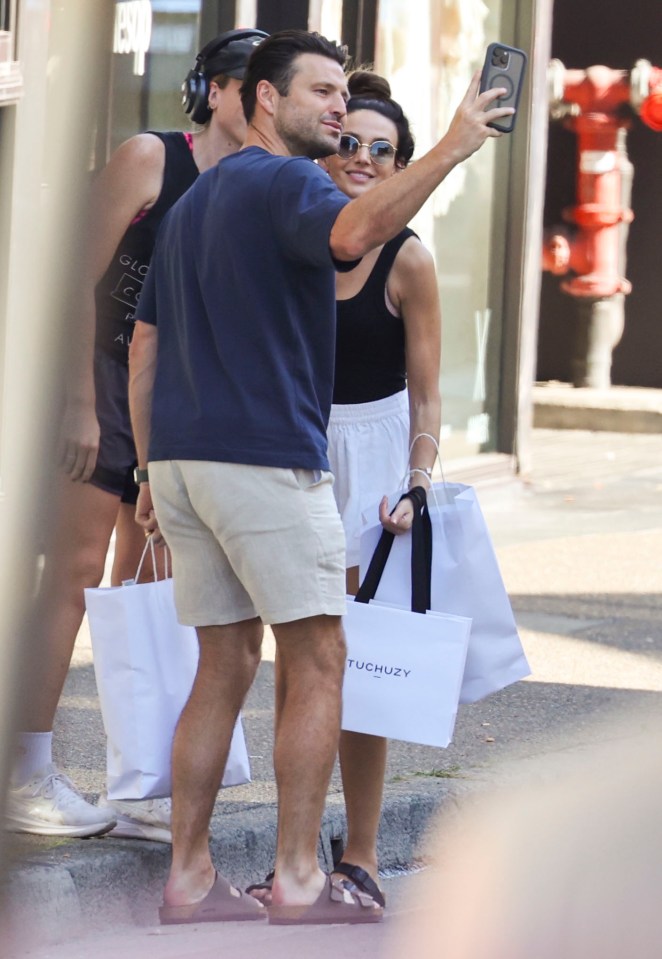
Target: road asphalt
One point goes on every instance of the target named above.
(578, 543)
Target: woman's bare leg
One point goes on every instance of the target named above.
(75, 558)
(362, 766)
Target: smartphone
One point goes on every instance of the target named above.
(504, 66)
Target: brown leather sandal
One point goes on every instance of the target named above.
(360, 881)
(223, 903)
(335, 904)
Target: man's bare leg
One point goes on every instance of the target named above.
(229, 657)
(311, 656)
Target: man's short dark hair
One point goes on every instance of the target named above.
(274, 58)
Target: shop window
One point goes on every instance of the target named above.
(155, 43)
(325, 17)
(353, 22)
(429, 61)
(5, 15)
(359, 26)
(11, 81)
(11, 90)
(273, 15)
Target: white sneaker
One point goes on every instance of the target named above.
(50, 805)
(139, 818)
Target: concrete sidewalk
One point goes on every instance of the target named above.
(624, 409)
(579, 549)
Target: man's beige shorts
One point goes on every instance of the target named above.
(250, 541)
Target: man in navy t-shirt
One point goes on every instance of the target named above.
(231, 372)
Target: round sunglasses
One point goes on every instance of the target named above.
(381, 151)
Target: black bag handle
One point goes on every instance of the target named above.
(421, 556)
(421, 561)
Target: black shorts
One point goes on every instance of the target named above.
(117, 452)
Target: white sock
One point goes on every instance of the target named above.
(33, 753)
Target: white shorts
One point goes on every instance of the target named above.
(369, 454)
(250, 541)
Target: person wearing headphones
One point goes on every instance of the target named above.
(97, 487)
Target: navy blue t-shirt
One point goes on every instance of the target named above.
(242, 286)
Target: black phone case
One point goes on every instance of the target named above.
(504, 66)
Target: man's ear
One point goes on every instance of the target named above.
(266, 94)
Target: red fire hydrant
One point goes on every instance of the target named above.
(591, 103)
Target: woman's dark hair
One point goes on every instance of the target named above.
(274, 60)
(369, 91)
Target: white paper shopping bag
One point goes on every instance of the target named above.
(404, 666)
(403, 672)
(145, 663)
(465, 581)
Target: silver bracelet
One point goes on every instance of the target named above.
(426, 470)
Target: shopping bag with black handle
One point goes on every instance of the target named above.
(465, 580)
(404, 663)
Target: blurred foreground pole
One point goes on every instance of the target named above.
(65, 50)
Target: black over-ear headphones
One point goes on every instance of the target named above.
(195, 88)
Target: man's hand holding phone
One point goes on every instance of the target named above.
(475, 120)
(503, 69)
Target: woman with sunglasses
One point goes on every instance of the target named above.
(386, 393)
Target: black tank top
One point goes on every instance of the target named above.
(118, 290)
(370, 341)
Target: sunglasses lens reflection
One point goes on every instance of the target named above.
(381, 151)
(348, 146)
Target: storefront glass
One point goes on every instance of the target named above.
(325, 16)
(155, 43)
(429, 59)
